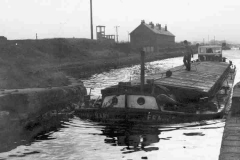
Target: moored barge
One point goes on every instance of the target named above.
(175, 96)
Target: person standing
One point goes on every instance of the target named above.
(188, 53)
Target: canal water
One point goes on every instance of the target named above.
(81, 139)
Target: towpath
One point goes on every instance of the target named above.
(230, 148)
(73, 82)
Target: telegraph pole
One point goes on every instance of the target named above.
(91, 19)
(117, 32)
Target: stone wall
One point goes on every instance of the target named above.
(30, 104)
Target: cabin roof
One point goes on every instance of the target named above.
(210, 46)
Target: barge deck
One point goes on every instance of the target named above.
(204, 79)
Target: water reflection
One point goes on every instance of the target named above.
(134, 138)
(15, 134)
(86, 139)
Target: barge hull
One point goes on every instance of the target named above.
(142, 116)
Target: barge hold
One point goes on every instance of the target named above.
(177, 96)
(203, 80)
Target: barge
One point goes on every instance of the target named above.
(174, 96)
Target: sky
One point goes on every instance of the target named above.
(193, 20)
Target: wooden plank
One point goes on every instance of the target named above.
(200, 80)
(183, 86)
(185, 83)
(203, 76)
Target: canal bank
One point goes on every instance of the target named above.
(46, 62)
(93, 66)
(36, 110)
(230, 148)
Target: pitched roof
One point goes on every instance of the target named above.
(158, 31)
(155, 29)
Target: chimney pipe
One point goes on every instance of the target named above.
(142, 22)
(142, 70)
(151, 24)
(165, 27)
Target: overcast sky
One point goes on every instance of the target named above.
(186, 19)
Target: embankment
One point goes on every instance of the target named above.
(92, 66)
(31, 103)
(31, 111)
(46, 62)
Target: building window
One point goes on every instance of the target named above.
(148, 49)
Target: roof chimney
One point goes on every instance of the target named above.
(159, 26)
(151, 24)
(142, 22)
(165, 27)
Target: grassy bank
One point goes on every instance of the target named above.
(46, 62)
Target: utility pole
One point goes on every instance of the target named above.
(91, 19)
(117, 32)
(214, 40)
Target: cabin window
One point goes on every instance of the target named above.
(114, 101)
(202, 50)
(209, 50)
(216, 50)
(141, 101)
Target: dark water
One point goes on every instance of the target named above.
(81, 139)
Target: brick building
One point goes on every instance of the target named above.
(151, 36)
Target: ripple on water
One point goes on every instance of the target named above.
(80, 139)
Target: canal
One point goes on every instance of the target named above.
(81, 139)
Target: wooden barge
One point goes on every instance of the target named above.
(203, 80)
(176, 96)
